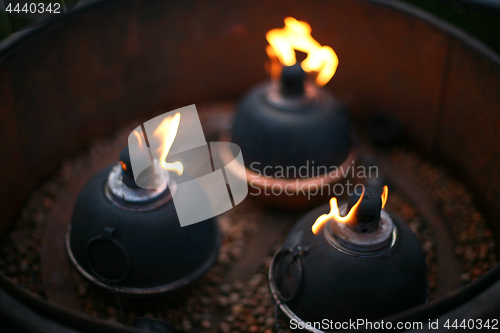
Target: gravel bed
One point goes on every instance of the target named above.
(195, 306)
(211, 304)
(476, 245)
(398, 205)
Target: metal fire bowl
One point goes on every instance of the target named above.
(71, 80)
(320, 281)
(139, 253)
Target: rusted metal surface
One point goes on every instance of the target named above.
(66, 82)
(450, 267)
(469, 138)
(392, 64)
(57, 273)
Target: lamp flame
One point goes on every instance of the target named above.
(335, 214)
(138, 138)
(166, 132)
(296, 36)
(384, 196)
(124, 166)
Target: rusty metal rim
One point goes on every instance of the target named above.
(15, 40)
(442, 25)
(336, 241)
(66, 317)
(126, 198)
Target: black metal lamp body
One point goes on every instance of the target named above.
(129, 239)
(319, 276)
(292, 124)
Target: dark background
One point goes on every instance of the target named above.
(480, 18)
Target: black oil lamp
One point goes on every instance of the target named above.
(286, 124)
(356, 262)
(128, 239)
(291, 123)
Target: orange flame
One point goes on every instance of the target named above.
(296, 35)
(138, 138)
(335, 214)
(124, 166)
(166, 132)
(384, 196)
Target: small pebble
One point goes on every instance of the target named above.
(224, 327)
(197, 317)
(236, 252)
(206, 324)
(233, 298)
(238, 285)
(225, 288)
(186, 325)
(204, 300)
(236, 309)
(270, 321)
(24, 266)
(224, 258)
(222, 301)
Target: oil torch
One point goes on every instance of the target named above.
(356, 261)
